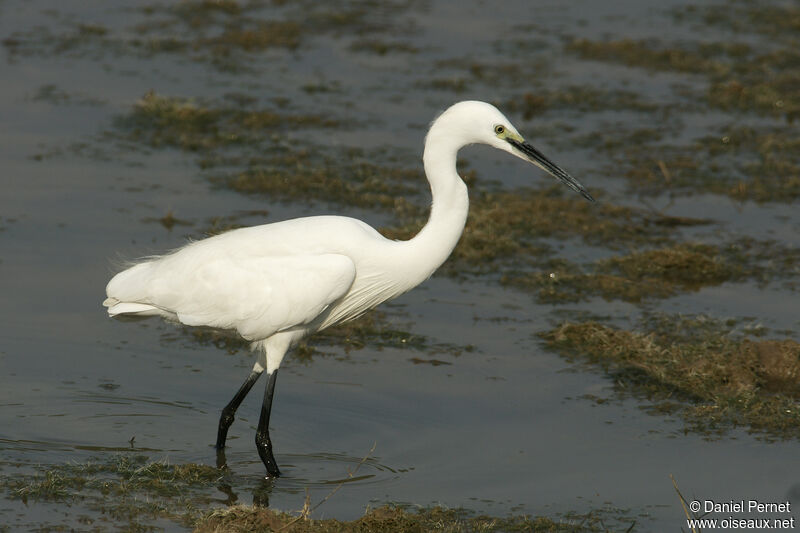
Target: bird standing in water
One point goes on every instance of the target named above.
(278, 283)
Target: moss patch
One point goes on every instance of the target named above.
(699, 369)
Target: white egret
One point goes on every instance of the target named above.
(277, 283)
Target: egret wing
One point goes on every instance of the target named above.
(256, 296)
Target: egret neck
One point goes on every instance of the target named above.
(449, 206)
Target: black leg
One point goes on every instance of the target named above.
(263, 443)
(226, 419)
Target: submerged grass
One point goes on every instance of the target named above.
(297, 176)
(128, 490)
(739, 78)
(699, 368)
(741, 162)
(746, 163)
(633, 277)
(118, 476)
(397, 519)
(506, 228)
(661, 272)
(163, 121)
(375, 330)
(775, 21)
(577, 98)
(225, 34)
(131, 493)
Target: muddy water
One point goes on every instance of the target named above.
(503, 427)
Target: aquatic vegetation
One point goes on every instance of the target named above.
(761, 167)
(738, 77)
(298, 176)
(698, 368)
(757, 163)
(158, 121)
(169, 221)
(375, 330)
(776, 21)
(455, 84)
(506, 228)
(51, 93)
(578, 98)
(134, 493)
(125, 489)
(648, 55)
(395, 518)
(658, 273)
(221, 34)
(382, 47)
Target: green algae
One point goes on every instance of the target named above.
(701, 369)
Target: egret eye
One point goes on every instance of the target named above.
(499, 129)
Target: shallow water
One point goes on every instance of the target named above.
(503, 428)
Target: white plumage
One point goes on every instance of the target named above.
(276, 283)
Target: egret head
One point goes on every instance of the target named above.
(473, 122)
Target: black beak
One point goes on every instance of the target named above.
(536, 157)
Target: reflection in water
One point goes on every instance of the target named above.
(263, 491)
(330, 471)
(321, 470)
(222, 460)
(224, 485)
